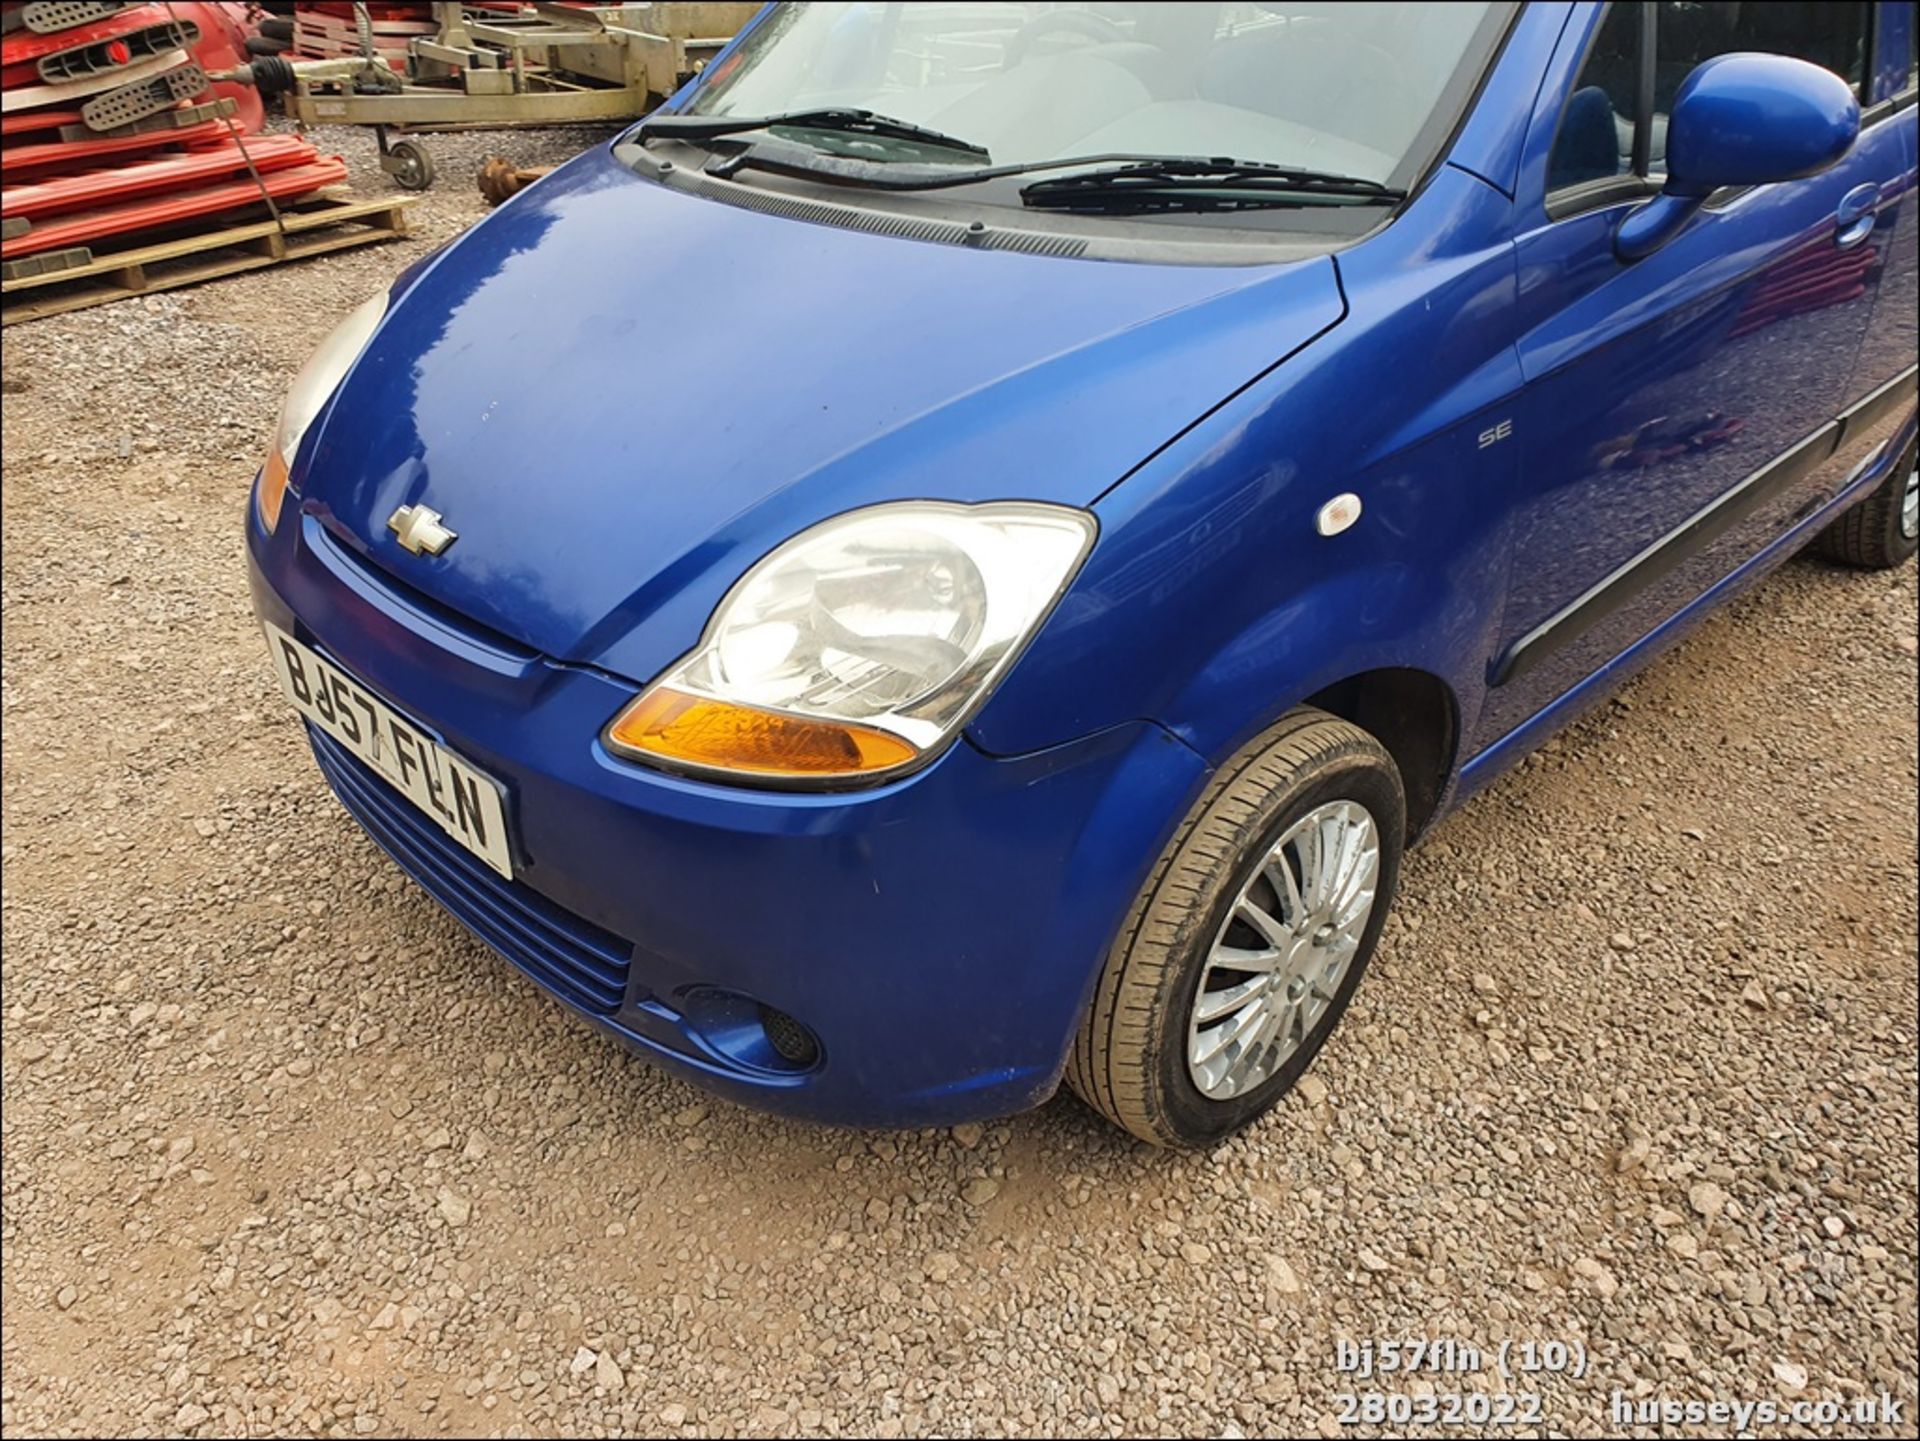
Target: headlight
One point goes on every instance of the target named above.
(309, 391)
(861, 645)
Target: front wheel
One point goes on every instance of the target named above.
(1244, 948)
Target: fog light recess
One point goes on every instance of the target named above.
(749, 1032)
(793, 1041)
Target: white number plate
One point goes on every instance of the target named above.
(463, 801)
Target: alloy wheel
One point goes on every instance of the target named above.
(1276, 964)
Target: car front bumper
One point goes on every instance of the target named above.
(938, 935)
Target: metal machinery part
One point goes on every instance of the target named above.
(500, 179)
(119, 51)
(552, 64)
(131, 104)
(51, 16)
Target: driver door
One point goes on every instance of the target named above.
(1678, 409)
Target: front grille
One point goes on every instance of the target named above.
(330, 541)
(563, 952)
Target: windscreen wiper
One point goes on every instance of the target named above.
(1182, 183)
(842, 121)
(1127, 181)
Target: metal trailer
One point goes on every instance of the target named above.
(548, 64)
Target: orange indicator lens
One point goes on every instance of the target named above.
(272, 491)
(676, 726)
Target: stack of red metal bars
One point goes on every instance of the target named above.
(110, 127)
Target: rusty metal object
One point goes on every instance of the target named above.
(499, 178)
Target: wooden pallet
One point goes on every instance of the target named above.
(319, 224)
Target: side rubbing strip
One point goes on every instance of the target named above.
(1660, 558)
(1892, 396)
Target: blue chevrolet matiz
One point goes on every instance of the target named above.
(957, 554)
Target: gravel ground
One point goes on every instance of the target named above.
(286, 1152)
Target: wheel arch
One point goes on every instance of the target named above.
(1415, 715)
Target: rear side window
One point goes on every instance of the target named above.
(1615, 122)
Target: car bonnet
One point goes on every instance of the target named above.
(619, 396)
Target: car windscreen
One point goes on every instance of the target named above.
(1354, 89)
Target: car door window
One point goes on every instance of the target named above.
(1913, 46)
(1615, 122)
(1595, 139)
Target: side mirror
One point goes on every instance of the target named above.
(1742, 120)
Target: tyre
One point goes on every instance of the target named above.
(1881, 530)
(412, 167)
(1244, 948)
